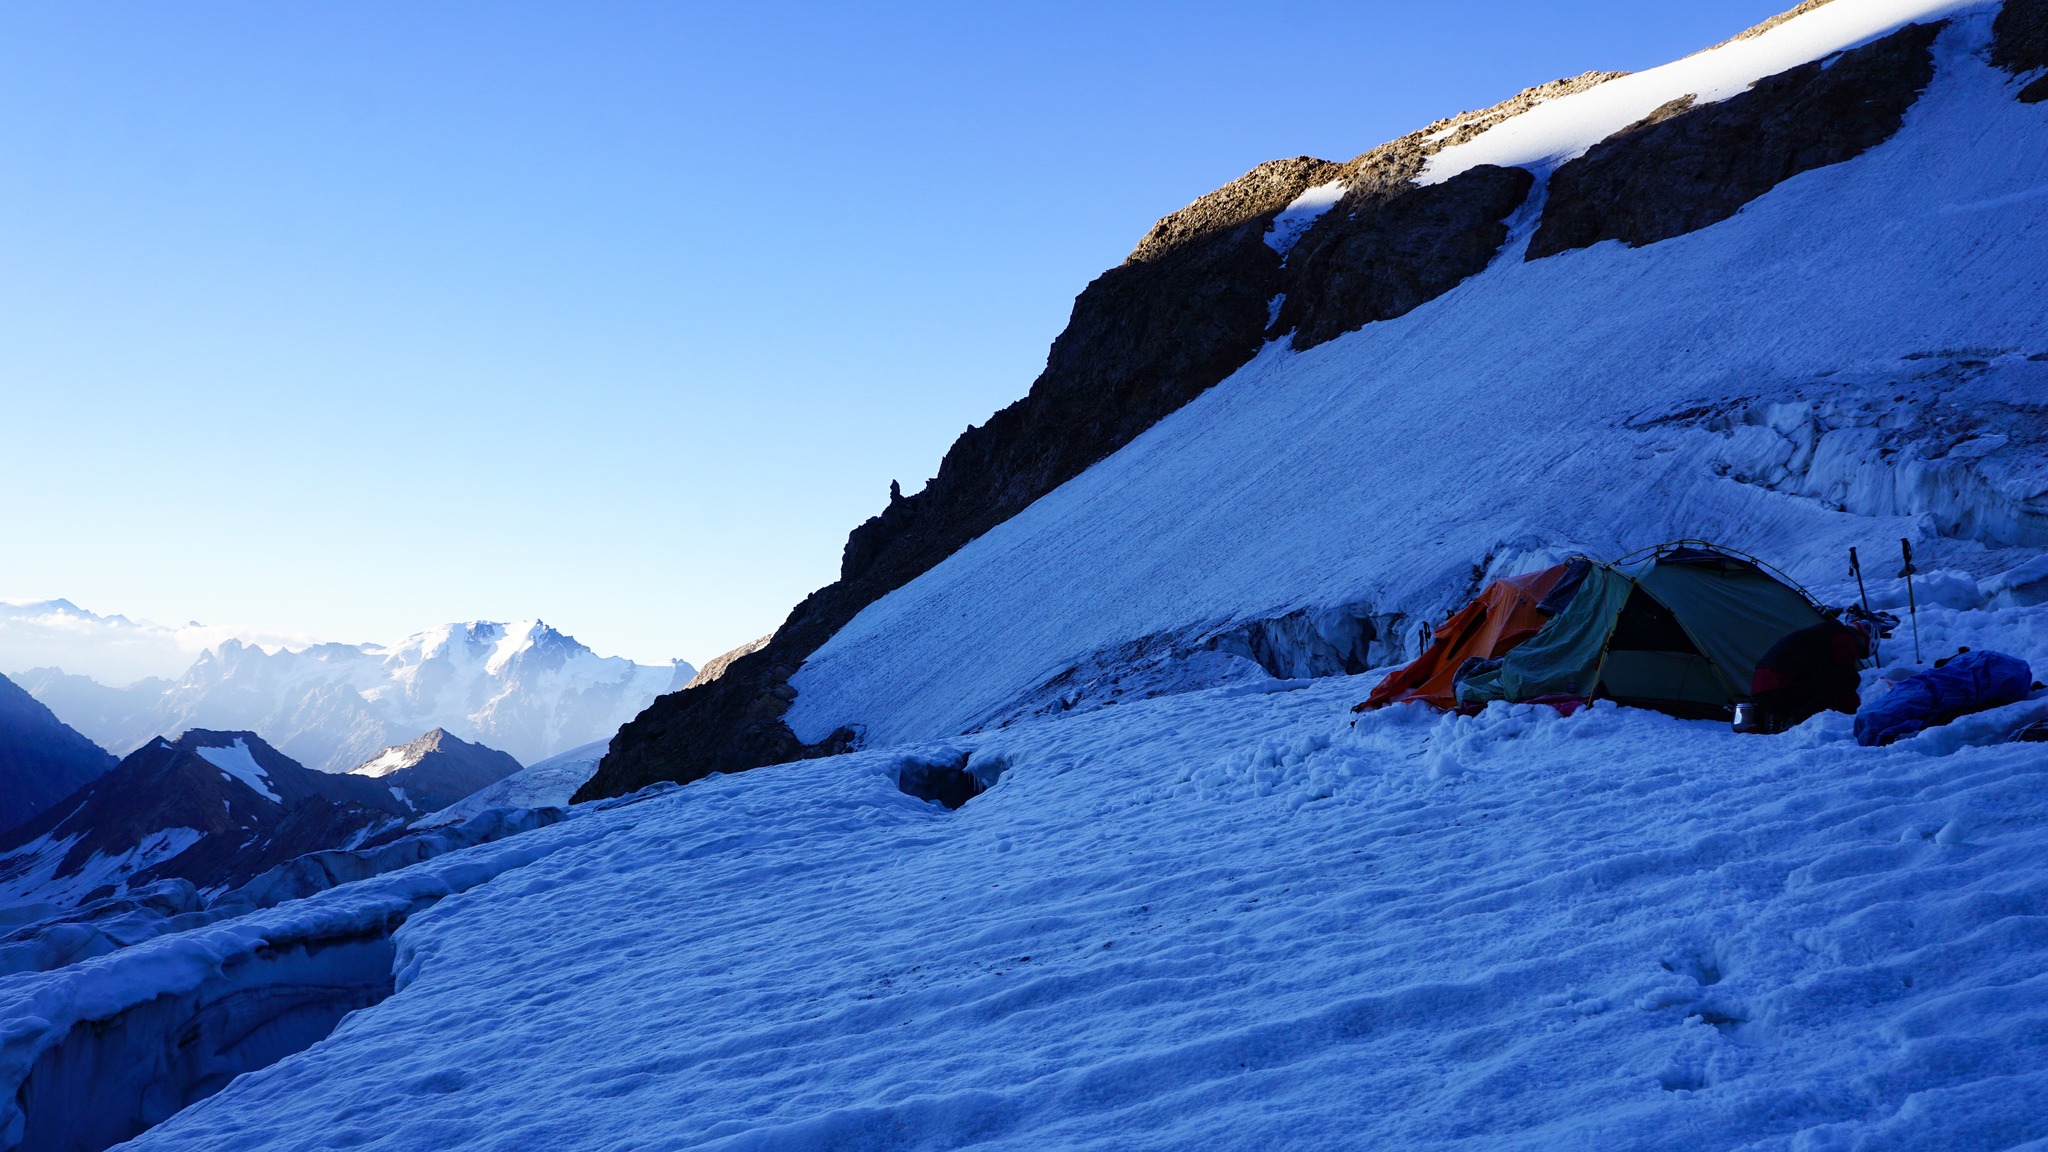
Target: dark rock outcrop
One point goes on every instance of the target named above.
(1683, 167)
(1392, 246)
(42, 759)
(2019, 44)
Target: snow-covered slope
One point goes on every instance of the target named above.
(549, 783)
(1230, 919)
(522, 687)
(1855, 357)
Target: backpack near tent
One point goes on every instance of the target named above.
(1680, 630)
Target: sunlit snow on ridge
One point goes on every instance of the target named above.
(1300, 214)
(1556, 131)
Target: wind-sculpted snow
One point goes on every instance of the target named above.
(1232, 919)
(1600, 400)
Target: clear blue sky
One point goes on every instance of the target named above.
(349, 319)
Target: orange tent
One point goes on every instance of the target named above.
(1501, 617)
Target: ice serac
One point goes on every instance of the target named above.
(1685, 167)
(93, 1054)
(42, 759)
(1193, 303)
(210, 808)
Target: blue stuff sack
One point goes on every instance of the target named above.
(1969, 683)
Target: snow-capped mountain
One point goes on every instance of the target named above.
(42, 760)
(436, 770)
(523, 687)
(111, 649)
(213, 808)
(1785, 293)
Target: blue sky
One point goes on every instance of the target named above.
(348, 319)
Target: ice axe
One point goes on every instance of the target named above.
(1912, 608)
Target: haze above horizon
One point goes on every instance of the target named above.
(345, 321)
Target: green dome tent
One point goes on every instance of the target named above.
(1680, 631)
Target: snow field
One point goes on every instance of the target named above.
(1232, 919)
(1236, 918)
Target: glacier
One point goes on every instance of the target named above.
(1203, 904)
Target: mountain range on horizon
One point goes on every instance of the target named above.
(524, 688)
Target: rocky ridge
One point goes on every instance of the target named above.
(211, 808)
(1194, 301)
(1683, 167)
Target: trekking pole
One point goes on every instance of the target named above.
(1856, 569)
(1906, 549)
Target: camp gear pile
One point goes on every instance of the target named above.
(1972, 682)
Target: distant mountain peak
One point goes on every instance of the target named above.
(521, 686)
(436, 769)
(210, 806)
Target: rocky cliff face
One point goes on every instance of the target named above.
(1198, 296)
(1211, 284)
(1683, 168)
(2020, 45)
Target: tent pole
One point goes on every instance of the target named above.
(1856, 568)
(1906, 550)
